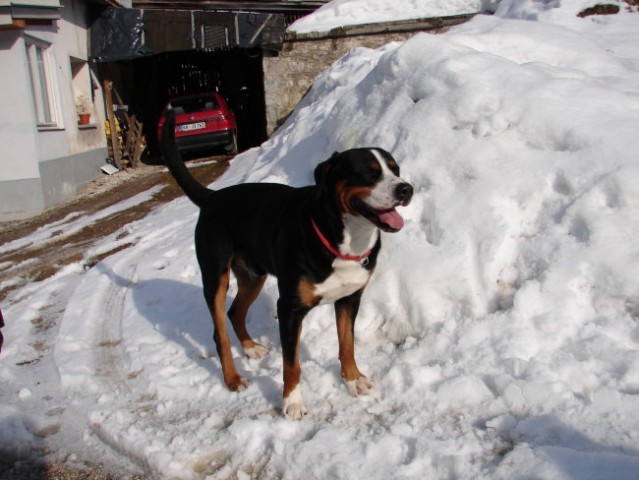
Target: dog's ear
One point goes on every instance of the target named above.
(322, 170)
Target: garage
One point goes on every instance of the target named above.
(147, 57)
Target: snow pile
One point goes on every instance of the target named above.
(339, 13)
(501, 326)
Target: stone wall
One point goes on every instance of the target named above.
(290, 74)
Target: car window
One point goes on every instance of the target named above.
(193, 105)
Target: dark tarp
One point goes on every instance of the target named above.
(117, 35)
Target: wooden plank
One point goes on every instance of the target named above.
(140, 142)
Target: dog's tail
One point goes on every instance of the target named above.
(197, 193)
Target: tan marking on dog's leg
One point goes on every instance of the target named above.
(356, 382)
(345, 335)
(293, 403)
(234, 381)
(248, 290)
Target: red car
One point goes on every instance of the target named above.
(202, 121)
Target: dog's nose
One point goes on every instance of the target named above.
(404, 193)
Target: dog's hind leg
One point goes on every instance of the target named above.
(345, 312)
(249, 286)
(215, 289)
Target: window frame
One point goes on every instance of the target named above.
(42, 82)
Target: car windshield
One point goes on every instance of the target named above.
(193, 105)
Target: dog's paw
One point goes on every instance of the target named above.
(294, 410)
(237, 383)
(360, 386)
(294, 405)
(255, 351)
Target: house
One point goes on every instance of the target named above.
(45, 78)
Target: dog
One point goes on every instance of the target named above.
(321, 242)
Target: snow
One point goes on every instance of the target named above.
(339, 13)
(501, 327)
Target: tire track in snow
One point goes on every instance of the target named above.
(108, 357)
(109, 361)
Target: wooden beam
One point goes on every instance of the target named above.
(108, 100)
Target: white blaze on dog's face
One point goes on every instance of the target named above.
(390, 192)
(367, 184)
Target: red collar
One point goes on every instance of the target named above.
(335, 251)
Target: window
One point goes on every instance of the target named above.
(41, 82)
(82, 84)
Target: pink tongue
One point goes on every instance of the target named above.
(392, 219)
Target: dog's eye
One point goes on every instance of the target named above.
(393, 167)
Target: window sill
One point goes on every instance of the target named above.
(49, 128)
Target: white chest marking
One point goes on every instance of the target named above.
(348, 276)
(359, 235)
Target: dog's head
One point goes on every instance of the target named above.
(365, 182)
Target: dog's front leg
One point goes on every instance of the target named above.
(345, 313)
(290, 321)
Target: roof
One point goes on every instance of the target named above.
(32, 3)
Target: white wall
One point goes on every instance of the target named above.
(73, 35)
(18, 156)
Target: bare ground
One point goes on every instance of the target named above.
(40, 260)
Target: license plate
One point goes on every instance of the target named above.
(191, 126)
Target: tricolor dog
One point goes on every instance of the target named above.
(320, 241)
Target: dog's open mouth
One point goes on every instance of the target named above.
(387, 220)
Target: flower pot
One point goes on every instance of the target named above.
(84, 118)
